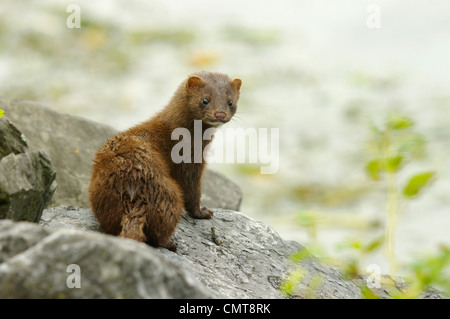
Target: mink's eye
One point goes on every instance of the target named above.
(230, 103)
(205, 101)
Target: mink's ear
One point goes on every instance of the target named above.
(194, 82)
(236, 83)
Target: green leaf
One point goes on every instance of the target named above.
(374, 244)
(368, 293)
(416, 183)
(300, 255)
(2, 112)
(399, 122)
(353, 244)
(373, 168)
(394, 163)
(292, 280)
(356, 244)
(432, 270)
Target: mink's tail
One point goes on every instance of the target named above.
(133, 223)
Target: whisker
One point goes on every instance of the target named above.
(235, 122)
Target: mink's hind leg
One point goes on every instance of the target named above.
(132, 194)
(153, 208)
(167, 207)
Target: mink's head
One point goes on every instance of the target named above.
(212, 97)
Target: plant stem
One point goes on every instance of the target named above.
(392, 212)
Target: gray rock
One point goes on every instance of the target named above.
(228, 256)
(238, 257)
(26, 178)
(26, 185)
(231, 254)
(16, 237)
(71, 142)
(70, 217)
(11, 139)
(37, 261)
(220, 192)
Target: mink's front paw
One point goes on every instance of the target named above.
(206, 212)
(203, 213)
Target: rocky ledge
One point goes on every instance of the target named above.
(229, 256)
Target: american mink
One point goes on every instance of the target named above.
(137, 191)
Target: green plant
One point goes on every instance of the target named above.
(289, 286)
(430, 271)
(360, 249)
(424, 273)
(391, 148)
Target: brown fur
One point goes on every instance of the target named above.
(136, 190)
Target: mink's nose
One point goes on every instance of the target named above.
(220, 116)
